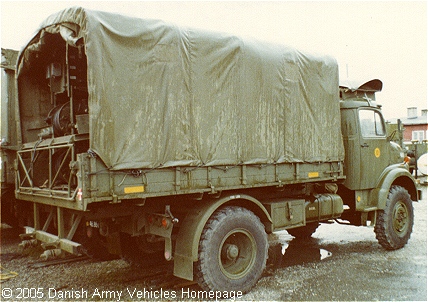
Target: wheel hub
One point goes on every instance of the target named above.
(232, 251)
(400, 218)
(237, 253)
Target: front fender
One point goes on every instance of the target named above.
(394, 175)
(187, 243)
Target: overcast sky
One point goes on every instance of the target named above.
(385, 40)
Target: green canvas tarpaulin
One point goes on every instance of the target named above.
(160, 95)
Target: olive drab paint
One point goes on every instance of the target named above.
(139, 138)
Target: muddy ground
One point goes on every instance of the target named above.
(339, 263)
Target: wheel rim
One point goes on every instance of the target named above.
(237, 253)
(400, 218)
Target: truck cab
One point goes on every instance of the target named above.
(367, 148)
(374, 164)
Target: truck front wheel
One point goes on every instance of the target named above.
(233, 251)
(394, 224)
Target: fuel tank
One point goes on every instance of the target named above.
(325, 206)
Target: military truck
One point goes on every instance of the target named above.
(143, 139)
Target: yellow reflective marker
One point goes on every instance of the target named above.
(313, 174)
(130, 190)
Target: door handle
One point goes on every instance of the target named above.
(365, 145)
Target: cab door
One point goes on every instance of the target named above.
(373, 147)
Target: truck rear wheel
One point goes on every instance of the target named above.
(394, 224)
(232, 251)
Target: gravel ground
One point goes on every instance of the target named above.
(338, 263)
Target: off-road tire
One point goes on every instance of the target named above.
(233, 250)
(394, 224)
(304, 232)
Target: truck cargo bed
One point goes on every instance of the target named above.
(97, 183)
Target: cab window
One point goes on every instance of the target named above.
(371, 123)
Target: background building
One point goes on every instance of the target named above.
(415, 127)
(411, 132)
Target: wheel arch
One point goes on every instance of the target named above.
(395, 177)
(187, 243)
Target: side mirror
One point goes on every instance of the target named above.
(392, 135)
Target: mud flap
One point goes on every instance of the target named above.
(186, 250)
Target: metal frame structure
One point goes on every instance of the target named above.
(28, 179)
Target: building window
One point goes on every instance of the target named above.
(418, 135)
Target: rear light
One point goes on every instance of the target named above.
(89, 232)
(159, 221)
(165, 223)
